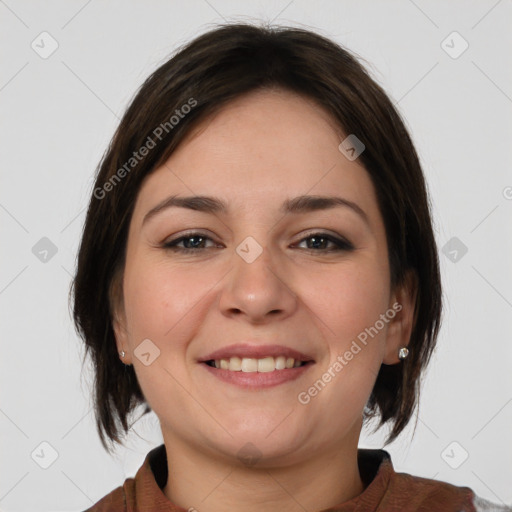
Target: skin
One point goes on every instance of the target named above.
(256, 152)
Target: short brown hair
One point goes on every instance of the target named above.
(213, 69)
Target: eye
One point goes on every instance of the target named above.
(196, 242)
(320, 240)
(193, 242)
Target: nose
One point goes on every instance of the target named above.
(258, 290)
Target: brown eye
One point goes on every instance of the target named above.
(192, 242)
(320, 241)
(316, 242)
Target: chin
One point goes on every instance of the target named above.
(263, 447)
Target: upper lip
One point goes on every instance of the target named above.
(256, 352)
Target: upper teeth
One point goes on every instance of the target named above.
(247, 364)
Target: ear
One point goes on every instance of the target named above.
(119, 325)
(403, 302)
(120, 332)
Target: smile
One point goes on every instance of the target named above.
(253, 365)
(262, 365)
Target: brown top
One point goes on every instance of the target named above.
(385, 490)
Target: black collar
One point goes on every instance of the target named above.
(368, 460)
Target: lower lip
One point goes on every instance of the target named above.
(258, 380)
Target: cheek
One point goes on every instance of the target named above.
(349, 299)
(364, 331)
(161, 300)
(163, 305)
(349, 302)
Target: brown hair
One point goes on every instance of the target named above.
(213, 69)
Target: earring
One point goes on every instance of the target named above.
(122, 353)
(403, 353)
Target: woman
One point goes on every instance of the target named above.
(258, 267)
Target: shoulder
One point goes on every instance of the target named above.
(141, 492)
(389, 490)
(418, 493)
(115, 501)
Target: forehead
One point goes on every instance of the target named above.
(257, 150)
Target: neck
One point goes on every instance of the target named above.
(201, 482)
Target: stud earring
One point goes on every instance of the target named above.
(403, 353)
(122, 353)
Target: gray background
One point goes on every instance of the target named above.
(58, 114)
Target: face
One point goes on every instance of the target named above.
(254, 279)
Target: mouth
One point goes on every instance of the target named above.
(253, 366)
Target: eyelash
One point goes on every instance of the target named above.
(341, 245)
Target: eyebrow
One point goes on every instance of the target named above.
(297, 205)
